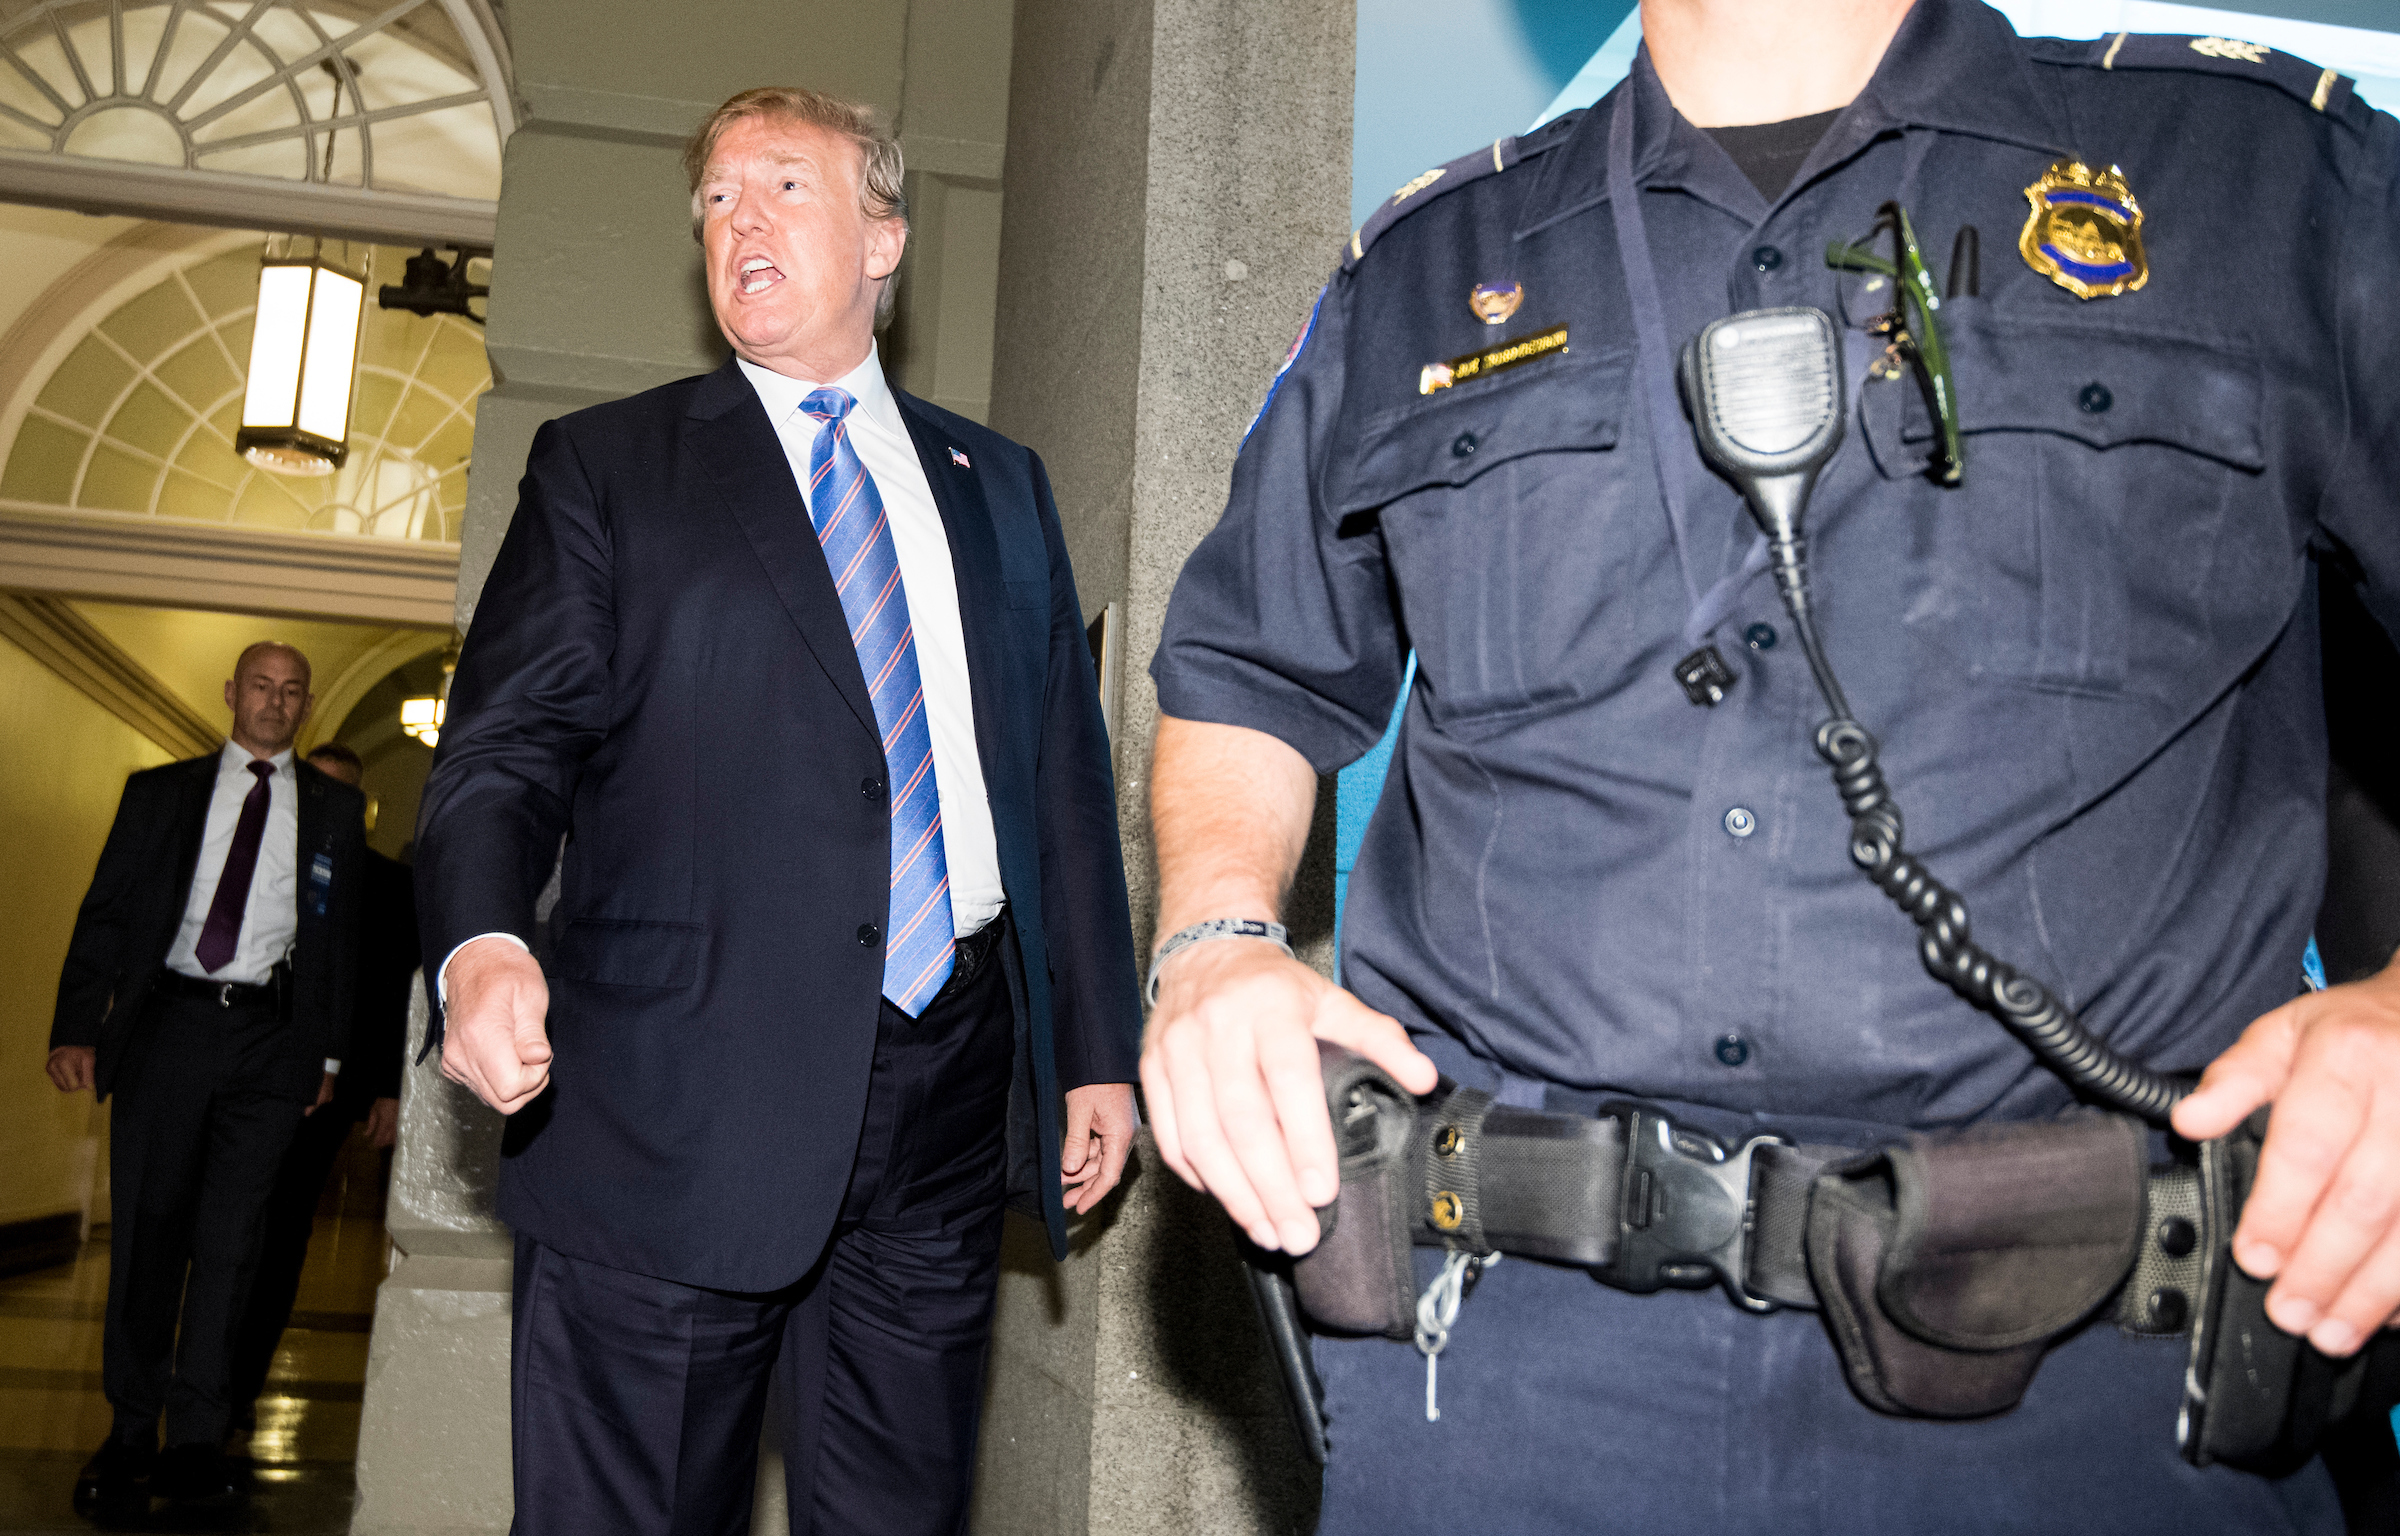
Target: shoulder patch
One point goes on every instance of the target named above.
(2323, 90)
(1498, 156)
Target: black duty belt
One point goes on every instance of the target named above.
(1945, 1264)
(270, 993)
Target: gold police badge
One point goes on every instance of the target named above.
(2085, 231)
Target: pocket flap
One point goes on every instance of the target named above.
(1569, 404)
(617, 953)
(2104, 388)
(2009, 1234)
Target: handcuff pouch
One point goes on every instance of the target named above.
(2256, 1397)
(1948, 1263)
(1360, 1278)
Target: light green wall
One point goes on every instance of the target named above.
(62, 767)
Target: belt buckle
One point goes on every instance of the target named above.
(1686, 1211)
(224, 994)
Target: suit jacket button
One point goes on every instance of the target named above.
(871, 787)
(869, 935)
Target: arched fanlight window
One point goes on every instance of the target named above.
(144, 414)
(372, 119)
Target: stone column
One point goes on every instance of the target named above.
(597, 294)
(1178, 189)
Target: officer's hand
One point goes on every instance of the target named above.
(1099, 1138)
(493, 1040)
(383, 1123)
(2323, 1219)
(1236, 1096)
(71, 1067)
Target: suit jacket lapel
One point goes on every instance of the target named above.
(974, 565)
(731, 436)
(191, 823)
(311, 833)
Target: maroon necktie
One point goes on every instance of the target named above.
(224, 926)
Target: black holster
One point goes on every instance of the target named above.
(2255, 1397)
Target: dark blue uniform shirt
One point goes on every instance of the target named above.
(2093, 668)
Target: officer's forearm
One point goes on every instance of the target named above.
(1229, 810)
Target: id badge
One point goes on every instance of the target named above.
(320, 884)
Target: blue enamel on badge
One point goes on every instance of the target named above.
(2085, 231)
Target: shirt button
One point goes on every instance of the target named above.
(1732, 1050)
(1759, 637)
(869, 935)
(2094, 399)
(1740, 822)
(1766, 258)
(871, 787)
(1463, 446)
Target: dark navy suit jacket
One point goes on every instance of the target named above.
(659, 671)
(129, 918)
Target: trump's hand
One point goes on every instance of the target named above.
(493, 1039)
(1236, 1095)
(325, 1087)
(1098, 1140)
(2323, 1219)
(71, 1067)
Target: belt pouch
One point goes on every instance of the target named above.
(2256, 1397)
(1946, 1265)
(1359, 1279)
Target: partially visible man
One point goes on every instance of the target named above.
(368, 1090)
(795, 664)
(207, 986)
(1608, 864)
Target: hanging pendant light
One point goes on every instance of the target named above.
(304, 354)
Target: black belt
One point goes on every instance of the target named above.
(270, 993)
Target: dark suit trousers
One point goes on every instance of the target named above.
(194, 1142)
(638, 1401)
(290, 1216)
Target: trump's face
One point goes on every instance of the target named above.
(794, 264)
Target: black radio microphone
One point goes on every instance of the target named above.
(1764, 389)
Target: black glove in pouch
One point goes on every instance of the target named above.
(1948, 1264)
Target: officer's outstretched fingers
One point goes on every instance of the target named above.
(1158, 1098)
(2355, 1206)
(2368, 1300)
(1186, 1067)
(1247, 1114)
(2251, 1073)
(1346, 1021)
(2319, 1115)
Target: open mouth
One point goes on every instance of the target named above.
(759, 274)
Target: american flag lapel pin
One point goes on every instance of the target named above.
(959, 459)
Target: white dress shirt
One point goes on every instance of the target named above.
(271, 920)
(926, 577)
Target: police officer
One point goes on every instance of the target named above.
(2080, 613)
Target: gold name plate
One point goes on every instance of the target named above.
(1508, 354)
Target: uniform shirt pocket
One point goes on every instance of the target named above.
(1500, 504)
(2099, 467)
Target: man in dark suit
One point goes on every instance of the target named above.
(795, 664)
(208, 987)
(367, 1091)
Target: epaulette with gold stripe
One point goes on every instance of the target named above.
(1500, 155)
(2325, 90)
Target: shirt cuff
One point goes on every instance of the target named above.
(441, 979)
(333, 1066)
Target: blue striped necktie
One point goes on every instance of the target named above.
(918, 946)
